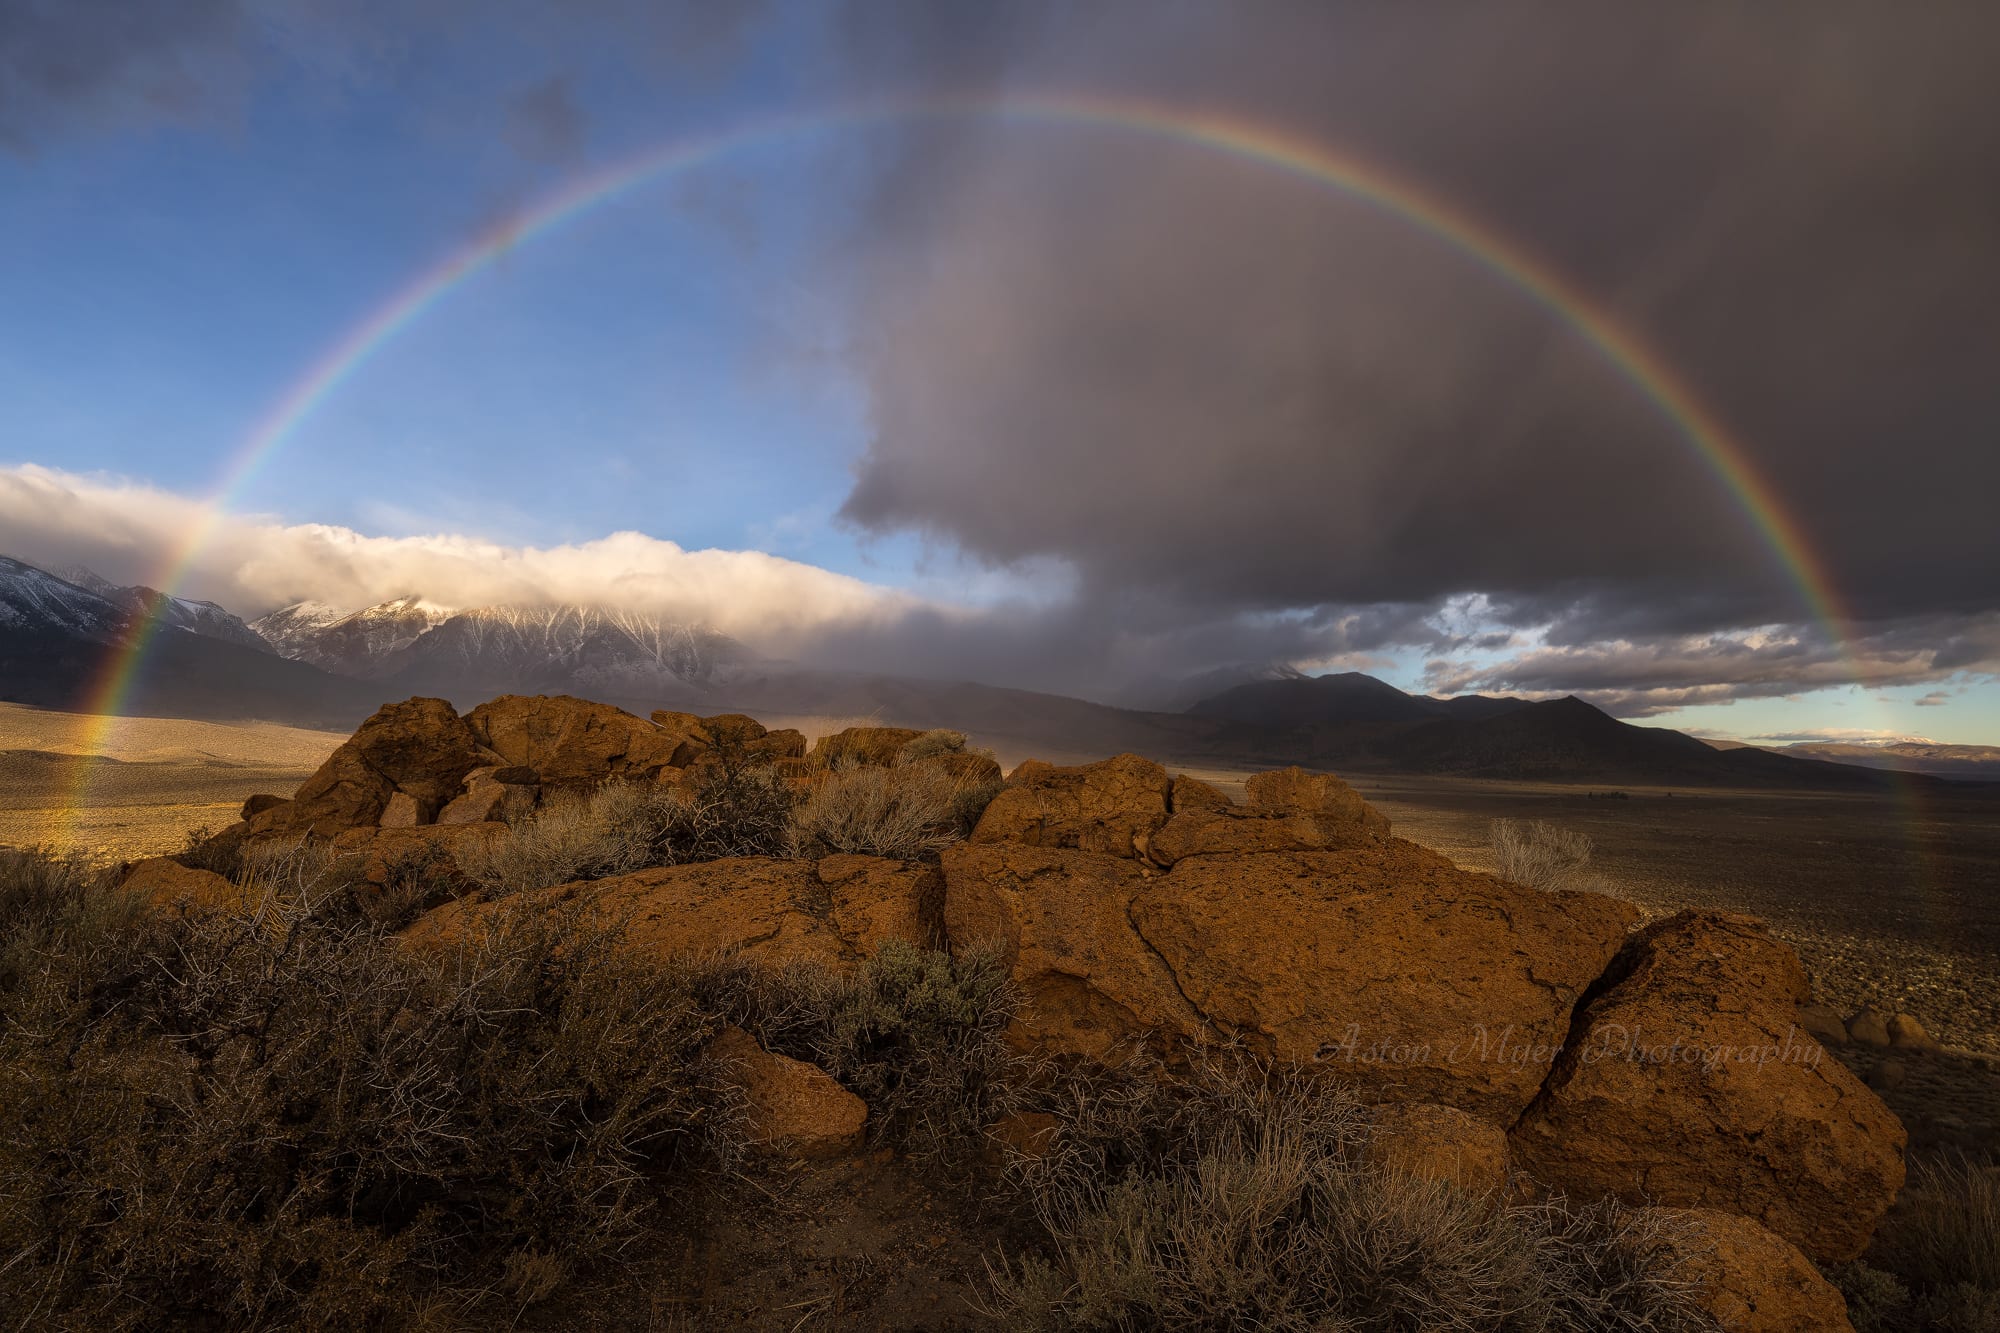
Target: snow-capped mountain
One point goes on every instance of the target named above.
(205, 618)
(362, 643)
(420, 645)
(58, 638)
(35, 601)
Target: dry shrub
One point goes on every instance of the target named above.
(936, 741)
(915, 1033)
(1542, 856)
(1935, 1263)
(906, 812)
(1235, 1198)
(621, 827)
(284, 1120)
(55, 903)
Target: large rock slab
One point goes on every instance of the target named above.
(1059, 919)
(1688, 1082)
(764, 909)
(573, 742)
(1394, 970)
(1383, 964)
(1113, 806)
(1750, 1280)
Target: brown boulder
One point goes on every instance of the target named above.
(165, 883)
(863, 745)
(764, 909)
(1439, 1143)
(1688, 1083)
(1906, 1033)
(1194, 794)
(343, 793)
(572, 742)
(1749, 1280)
(262, 801)
(1111, 806)
(1824, 1023)
(1395, 970)
(1294, 791)
(1867, 1027)
(420, 747)
(1059, 919)
(876, 899)
(790, 1106)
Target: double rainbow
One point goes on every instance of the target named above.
(1309, 161)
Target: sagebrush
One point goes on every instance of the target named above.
(284, 1119)
(905, 812)
(1238, 1198)
(1542, 855)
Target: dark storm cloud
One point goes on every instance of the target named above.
(63, 63)
(1190, 376)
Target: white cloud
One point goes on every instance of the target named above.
(133, 532)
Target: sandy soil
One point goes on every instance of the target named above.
(136, 789)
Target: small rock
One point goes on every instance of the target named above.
(1889, 1075)
(1823, 1023)
(402, 812)
(1906, 1033)
(1866, 1027)
(262, 801)
(793, 1106)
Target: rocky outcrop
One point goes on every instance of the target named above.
(572, 742)
(1321, 796)
(1687, 1082)
(1113, 806)
(1749, 1280)
(1383, 965)
(419, 749)
(789, 1106)
(1438, 1143)
(768, 911)
(1290, 811)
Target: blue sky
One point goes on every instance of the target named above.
(677, 362)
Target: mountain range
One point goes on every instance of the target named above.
(315, 664)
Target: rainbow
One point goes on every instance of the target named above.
(1309, 161)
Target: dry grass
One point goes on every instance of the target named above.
(1237, 1199)
(284, 1120)
(1935, 1263)
(906, 812)
(620, 827)
(1542, 856)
